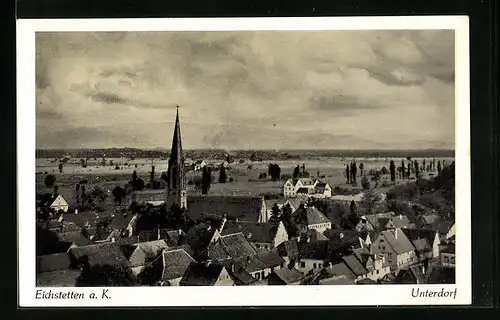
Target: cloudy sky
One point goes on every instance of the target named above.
(239, 90)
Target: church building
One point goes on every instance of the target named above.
(241, 208)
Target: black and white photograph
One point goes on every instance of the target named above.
(241, 158)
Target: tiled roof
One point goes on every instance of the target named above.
(379, 220)
(303, 190)
(314, 235)
(270, 258)
(412, 274)
(313, 250)
(430, 218)
(421, 238)
(53, 262)
(296, 202)
(60, 278)
(146, 251)
(175, 263)
(217, 252)
(245, 208)
(241, 277)
(120, 221)
(355, 265)
(341, 269)
(201, 274)
(340, 280)
(148, 195)
(311, 215)
(441, 226)
(99, 254)
(400, 244)
(255, 232)
(401, 221)
(250, 263)
(236, 245)
(366, 281)
(288, 275)
(289, 249)
(75, 237)
(345, 238)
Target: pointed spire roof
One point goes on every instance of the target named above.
(176, 155)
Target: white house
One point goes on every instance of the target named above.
(307, 187)
(396, 247)
(59, 204)
(310, 218)
(199, 164)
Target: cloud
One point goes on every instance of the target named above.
(235, 87)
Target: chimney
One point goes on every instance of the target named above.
(113, 239)
(233, 267)
(396, 234)
(76, 211)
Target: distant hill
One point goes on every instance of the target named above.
(243, 154)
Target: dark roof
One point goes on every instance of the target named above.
(53, 262)
(60, 278)
(148, 195)
(449, 248)
(241, 277)
(255, 232)
(45, 199)
(355, 265)
(309, 216)
(289, 249)
(411, 275)
(313, 250)
(441, 275)
(366, 281)
(303, 190)
(397, 240)
(260, 261)
(288, 275)
(76, 237)
(441, 226)
(217, 252)
(340, 280)
(345, 238)
(99, 254)
(175, 263)
(201, 274)
(270, 258)
(146, 251)
(245, 208)
(341, 269)
(414, 234)
(236, 245)
(120, 221)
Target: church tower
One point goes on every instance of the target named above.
(176, 184)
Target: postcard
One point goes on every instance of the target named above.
(244, 162)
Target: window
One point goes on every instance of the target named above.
(257, 246)
(377, 271)
(263, 274)
(383, 247)
(257, 275)
(302, 264)
(319, 265)
(452, 260)
(314, 265)
(446, 259)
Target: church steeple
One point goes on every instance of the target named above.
(176, 189)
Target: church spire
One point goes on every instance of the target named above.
(176, 189)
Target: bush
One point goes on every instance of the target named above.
(365, 184)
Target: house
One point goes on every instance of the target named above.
(451, 232)
(74, 239)
(382, 221)
(376, 265)
(261, 264)
(53, 201)
(295, 202)
(143, 253)
(240, 276)
(312, 255)
(123, 223)
(241, 208)
(98, 254)
(426, 220)
(347, 199)
(447, 257)
(206, 274)
(333, 281)
(289, 251)
(285, 276)
(411, 275)
(307, 217)
(199, 165)
(426, 242)
(263, 236)
(175, 263)
(397, 248)
(55, 270)
(445, 228)
(344, 242)
(308, 187)
(173, 238)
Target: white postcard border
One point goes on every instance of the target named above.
(370, 295)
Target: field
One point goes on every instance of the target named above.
(245, 178)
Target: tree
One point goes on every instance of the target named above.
(384, 170)
(134, 176)
(365, 184)
(60, 167)
(118, 194)
(206, 180)
(439, 167)
(296, 172)
(106, 276)
(274, 219)
(347, 173)
(152, 175)
(370, 201)
(392, 170)
(403, 171)
(352, 207)
(416, 169)
(361, 168)
(222, 175)
(50, 180)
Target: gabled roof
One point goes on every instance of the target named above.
(313, 250)
(289, 249)
(146, 251)
(314, 235)
(99, 254)
(441, 226)
(430, 218)
(379, 220)
(397, 240)
(60, 278)
(201, 274)
(366, 281)
(270, 258)
(53, 262)
(255, 232)
(401, 221)
(288, 275)
(303, 190)
(120, 221)
(241, 277)
(340, 280)
(217, 252)
(415, 234)
(309, 216)
(245, 208)
(346, 238)
(412, 274)
(75, 237)
(341, 269)
(175, 263)
(236, 245)
(355, 265)
(296, 202)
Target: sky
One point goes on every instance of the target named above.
(246, 89)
